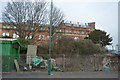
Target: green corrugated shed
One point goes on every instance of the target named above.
(9, 50)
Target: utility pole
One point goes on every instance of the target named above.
(50, 40)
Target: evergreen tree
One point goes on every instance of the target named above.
(100, 37)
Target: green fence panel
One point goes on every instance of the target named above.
(0, 57)
(9, 53)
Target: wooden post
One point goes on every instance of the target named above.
(63, 61)
(16, 65)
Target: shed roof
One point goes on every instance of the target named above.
(3, 40)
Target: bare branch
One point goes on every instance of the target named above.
(27, 15)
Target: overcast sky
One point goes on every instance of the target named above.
(104, 13)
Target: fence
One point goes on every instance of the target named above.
(67, 63)
(88, 63)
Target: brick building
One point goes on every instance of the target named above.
(76, 31)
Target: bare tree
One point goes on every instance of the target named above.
(29, 16)
(57, 16)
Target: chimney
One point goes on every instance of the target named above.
(86, 25)
(92, 24)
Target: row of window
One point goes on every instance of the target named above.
(14, 27)
(8, 27)
(76, 25)
(69, 31)
(41, 36)
(75, 32)
(7, 34)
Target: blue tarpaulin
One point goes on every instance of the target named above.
(106, 68)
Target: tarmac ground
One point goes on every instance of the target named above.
(60, 75)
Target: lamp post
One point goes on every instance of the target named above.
(50, 40)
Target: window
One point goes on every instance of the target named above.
(4, 26)
(87, 36)
(32, 28)
(75, 31)
(48, 37)
(83, 32)
(57, 37)
(42, 28)
(26, 37)
(8, 27)
(5, 34)
(14, 27)
(66, 30)
(57, 30)
(30, 37)
(15, 35)
(60, 30)
(76, 38)
(70, 31)
(41, 37)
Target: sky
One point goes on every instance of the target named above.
(104, 13)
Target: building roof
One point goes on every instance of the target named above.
(78, 24)
(85, 25)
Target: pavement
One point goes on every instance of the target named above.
(101, 74)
